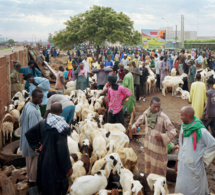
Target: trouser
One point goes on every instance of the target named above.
(143, 89)
(137, 91)
(180, 68)
(68, 113)
(158, 81)
(31, 168)
(42, 110)
(100, 87)
(116, 118)
(60, 91)
(210, 123)
(70, 73)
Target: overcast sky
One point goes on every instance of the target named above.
(20, 19)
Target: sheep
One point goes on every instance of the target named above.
(173, 72)
(100, 121)
(142, 178)
(19, 105)
(78, 171)
(86, 147)
(173, 82)
(151, 80)
(72, 145)
(91, 184)
(185, 95)
(71, 85)
(128, 158)
(86, 111)
(102, 111)
(119, 137)
(126, 179)
(75, 136)
(97, 106)
(157, 184)
(97, 166)
(113, 146)
(18, 96)
(115, 127)
(14, 113)
(136, 188)
(91, 107)
(7, 127)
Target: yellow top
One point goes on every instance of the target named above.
(70, 64)
(90, 59)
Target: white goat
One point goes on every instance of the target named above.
(185, 95)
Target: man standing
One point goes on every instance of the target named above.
(164, 69)
(196, 146)
(204, 62)
(102, 75)
(108, 62)
(120, 74)
(86, 64)
(125, 61)
(116, 97)
(198, 96)
(60, 84)
(191, 73)
(128, 82)
(210, 62)
(16, 84)
(30, 116)
(43, 84)
(49, 137)
(136, 74)
(181, 61)
(143, 79)
(159, 132)
(170, 60)
(69, 64)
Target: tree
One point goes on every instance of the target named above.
(11, 41)
(97, 25)
(50, 38)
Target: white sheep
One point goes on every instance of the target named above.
(18, 96)
(75, 136)
(78, 171)
(7, 127)
(157, 184)
(174, 82)
(119, 138)
(19, 105)
(173, 72)
(136, 187)
(185, 95)
(114, 127)
(14, 113)
(72, 145)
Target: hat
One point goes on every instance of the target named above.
(125, 54)
(126, 68)
(129, 57)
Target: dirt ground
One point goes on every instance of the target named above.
(170, 106)
(9, 51)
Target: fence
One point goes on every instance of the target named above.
(5, 89)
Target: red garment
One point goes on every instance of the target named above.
(176, 64)
(121, 75)
(70, 73)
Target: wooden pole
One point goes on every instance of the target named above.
(8, 79)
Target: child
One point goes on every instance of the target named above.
(66, 72)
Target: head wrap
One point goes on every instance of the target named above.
(31, 62)
(17, 65)
(112, 79)
(27, 76)
(126, 68)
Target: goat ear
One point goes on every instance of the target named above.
(108, 134)
(111, 157)
(114, 162)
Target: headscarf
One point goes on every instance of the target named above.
(193, 128)
(112, 79)
(33, 69)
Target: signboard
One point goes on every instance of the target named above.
(153, 39)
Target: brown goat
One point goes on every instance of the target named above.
(103, 111)
(86, 160)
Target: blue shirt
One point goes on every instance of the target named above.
(110, 63)
(112, 57)
(66, 72)
(170, 60)
(44, 84)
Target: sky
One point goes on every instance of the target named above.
(23, 19)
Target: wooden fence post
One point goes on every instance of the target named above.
(8, 79)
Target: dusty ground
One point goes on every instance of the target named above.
(9, 51)
(170, 106)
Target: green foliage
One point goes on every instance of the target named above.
(200, 41)
(11, 41)
(50, 38)
(97, 25)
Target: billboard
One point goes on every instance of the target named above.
(153, 39)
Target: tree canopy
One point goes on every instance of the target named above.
(97, 25)
(10, 41)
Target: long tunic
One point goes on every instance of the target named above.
(198, 97)
(54, 161)
(25, 71)
(128, 82)
(191, 177)
(16, 85)
(30, 116)
(155, 152)
(163, 72)
(81, 82)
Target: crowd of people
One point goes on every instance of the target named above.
(122, 75)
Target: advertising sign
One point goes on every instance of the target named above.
(153, 39)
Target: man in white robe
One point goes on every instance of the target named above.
(197, 146)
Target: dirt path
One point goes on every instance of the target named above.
(171, 106)
(9, 51)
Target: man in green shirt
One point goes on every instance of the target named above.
(204, 62)
(152, 65)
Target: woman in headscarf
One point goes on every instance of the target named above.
(16, 85)
(116, 97)
(82, 81)
(30, 69)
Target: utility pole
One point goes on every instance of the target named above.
(182, 31)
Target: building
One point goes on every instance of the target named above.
(2, 39)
